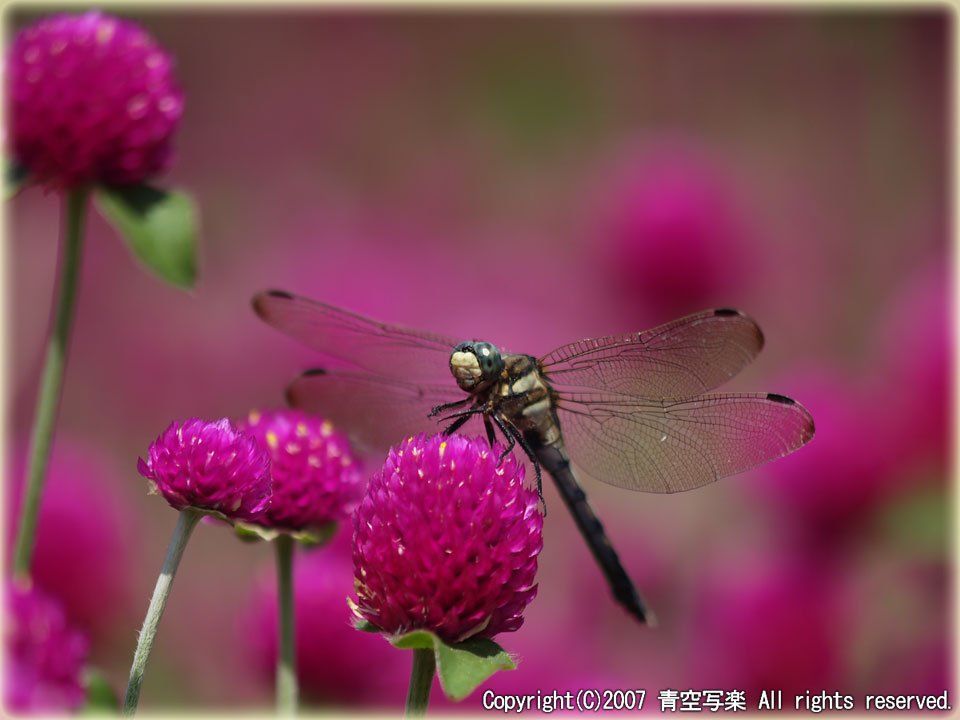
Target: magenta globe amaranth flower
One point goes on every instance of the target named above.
(316, 479)
(92, 99)
(672, 233)
(45, 655)
(446, 539)
(87, 538)
(210, 466)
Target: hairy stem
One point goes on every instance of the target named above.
(185, 524)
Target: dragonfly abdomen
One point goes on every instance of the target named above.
(554, 460)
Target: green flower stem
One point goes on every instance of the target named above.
(421, 680)
(286, 658)
(48, 400)
(185, 524)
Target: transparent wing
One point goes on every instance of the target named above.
(376, 412)
(682, 358)
(667, 445)
(382, 349)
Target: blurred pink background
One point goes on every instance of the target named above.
(533, 179)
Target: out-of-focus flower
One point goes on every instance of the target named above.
(209, 466)
(446, 539)
(316, 479)
(86, 538)
(93, 98)
(45, 655)
(913, 358)
(674, 238)
(842, 475)
(759, 626)
(334, 661)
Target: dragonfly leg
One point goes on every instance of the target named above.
(515, 436)
(455, 425)
(463, 413)
(507, 434)
(447, 406)
(536, 467)
(491, 438)
(461, 418)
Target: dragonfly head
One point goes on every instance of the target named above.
(475, 364)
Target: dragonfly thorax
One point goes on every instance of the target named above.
(475, 365)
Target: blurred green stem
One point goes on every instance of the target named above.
(51, 382)
(286, 658)
(185, 524)
(421, 680)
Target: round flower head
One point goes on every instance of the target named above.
(45, 656)
(209, 466)
(675, 239)
(316, 480)
(92, 99)
(446, 540)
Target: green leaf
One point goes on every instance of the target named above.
(462, 666)
(101, 699)
(159, 227)
(311, 537)
(316, 536)
(364, 625)
(253, 533)
(416, 639)
(14, 178)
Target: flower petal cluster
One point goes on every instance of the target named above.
(45, 656)
(316, 479)
(446, 540)
(209, 466)
(93, 98)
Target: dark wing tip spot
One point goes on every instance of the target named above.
(279, 294)
(781, 399)
(259, 304)
(313, 372)
(730, 312)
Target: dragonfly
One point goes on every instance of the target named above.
(632, 410)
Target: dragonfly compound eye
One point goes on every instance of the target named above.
(491, 364)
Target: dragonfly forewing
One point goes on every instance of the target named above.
(686, 357)
(386, 350)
